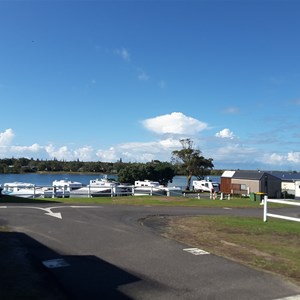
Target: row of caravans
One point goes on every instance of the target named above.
(102, 187)
(96, 188)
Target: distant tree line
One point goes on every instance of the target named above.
(187, 161)
(25, 165)
(162, 172)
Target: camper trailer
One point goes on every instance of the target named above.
(206, 185)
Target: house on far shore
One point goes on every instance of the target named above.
(245, 182)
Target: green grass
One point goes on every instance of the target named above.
(273, 246)
(143, 200)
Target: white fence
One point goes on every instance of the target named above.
(266, 214)
(33, 191)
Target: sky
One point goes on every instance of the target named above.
(110, 80)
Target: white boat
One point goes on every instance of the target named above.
(21, 189)
(147, 187)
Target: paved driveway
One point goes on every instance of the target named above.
(107, 252)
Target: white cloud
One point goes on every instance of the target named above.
(225, 134)
(6, 137)
(234, 153)
(61, 153)
(21, 149)
(273, 159)
(84, 153)
(141, 152)
(170, 143)
(174, 123)
(229, 154)
(290, 159)
(107, 155)
(123, 53)
(293, 157)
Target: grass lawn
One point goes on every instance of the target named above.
(272, 246)
(144, 200)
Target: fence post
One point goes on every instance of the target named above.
(265, 207)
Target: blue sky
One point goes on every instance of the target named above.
(104, 80)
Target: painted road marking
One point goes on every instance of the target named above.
(296, 297)
(196, 251)
(48, 211)
(55, 263)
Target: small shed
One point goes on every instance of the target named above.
(245, 182)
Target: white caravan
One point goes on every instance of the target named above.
(206, 185)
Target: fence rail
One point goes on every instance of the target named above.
(266, 214)
(35, 191)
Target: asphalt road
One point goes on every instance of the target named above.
(109, 252)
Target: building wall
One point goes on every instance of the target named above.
(289, 187)
(271, 186)
(265, 183)
(225, 186)
(251, 185)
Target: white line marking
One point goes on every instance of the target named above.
(296, 297)
(55, 263)
(196, 251)
(48, 211)
(82, 206)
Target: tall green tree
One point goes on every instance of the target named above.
(163, 172)
(191, 161)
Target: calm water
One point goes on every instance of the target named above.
(47, 179)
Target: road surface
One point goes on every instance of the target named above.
(107, 252)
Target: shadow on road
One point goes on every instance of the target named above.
(27, 274)
(6, 199)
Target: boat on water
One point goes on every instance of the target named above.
(148, 187)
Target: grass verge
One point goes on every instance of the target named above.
(272, 246)
(144, 200)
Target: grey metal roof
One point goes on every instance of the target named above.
(285, 176)
(258, 175)
(254, 175)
